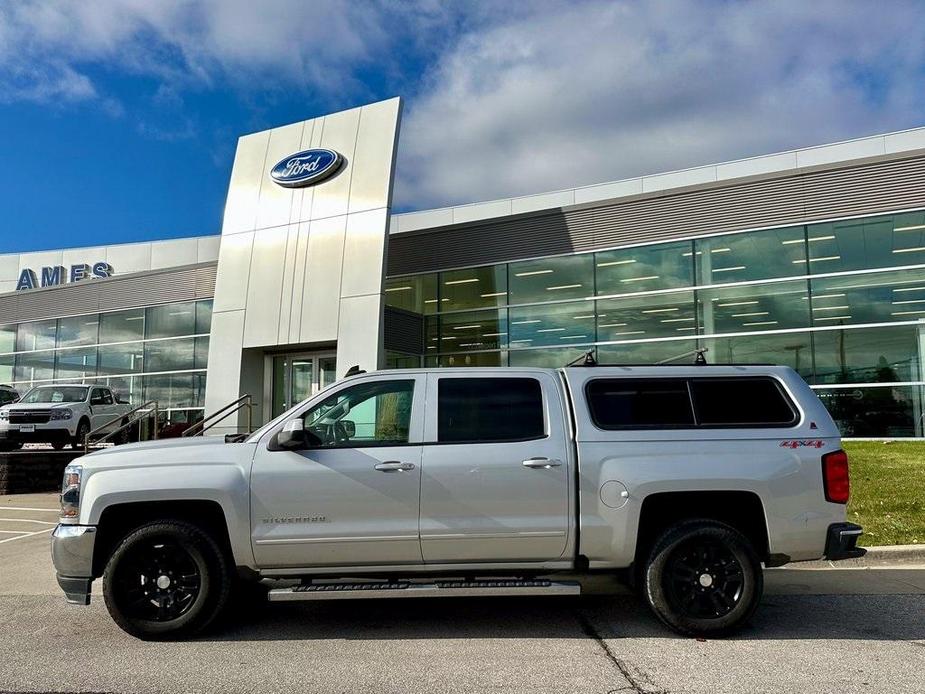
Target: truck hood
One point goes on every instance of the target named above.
(40, 405)
(193, 442)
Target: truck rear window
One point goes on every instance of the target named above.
(687, 403)
(473, 410)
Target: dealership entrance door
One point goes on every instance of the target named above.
(299, 376)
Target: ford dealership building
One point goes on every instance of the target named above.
(813, 258)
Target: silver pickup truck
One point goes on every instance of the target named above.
(467, 482)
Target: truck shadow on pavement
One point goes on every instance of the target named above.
(860, 617)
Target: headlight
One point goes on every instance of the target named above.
(70, 491)
(63, 413)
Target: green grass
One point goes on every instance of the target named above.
(887, 491)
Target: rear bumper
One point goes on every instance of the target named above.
(841, 542)
(72, 555)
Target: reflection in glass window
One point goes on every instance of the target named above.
(662, 266)
(552, 358)
(6, 368)
(753, 308)
(78, 330)
(174, 390)
(858, 244)
(474, 359)
(884, 355)
(471, 331)
(170, 320)
(201, 353)
(883, 411)
(554, 325)
(122, 326)
(399, 360)
(203, 317)
(169, 355)
(121, 359)
(551, 279)
(34, 366)
(788, 349)
(417, 293)
(7, 338)
(479, 287)
(75, 363)
(36, 335)
(754, 255)
(645, 317)
(668, 352)
(875, 298)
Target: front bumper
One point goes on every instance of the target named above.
(841, 542)
(72, 555)
(40, 435)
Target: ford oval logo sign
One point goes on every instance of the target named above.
(306, 168)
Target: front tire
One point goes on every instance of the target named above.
(166, 580)
(703, 578)
(83, 428)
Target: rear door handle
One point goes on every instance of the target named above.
(544, 463)
(394, 466)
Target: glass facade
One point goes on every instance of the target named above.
(152, 353)
(841, 302)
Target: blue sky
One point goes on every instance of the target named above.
(120, 116)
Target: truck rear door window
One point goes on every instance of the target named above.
(739, 402)
(489, 409)
(625, 403)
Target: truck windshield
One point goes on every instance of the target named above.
(55, 394)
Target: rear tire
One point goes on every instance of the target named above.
(167, 580)
(703, 578)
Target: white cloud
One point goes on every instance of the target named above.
(577, 94)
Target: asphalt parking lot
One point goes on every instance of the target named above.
(845, 630)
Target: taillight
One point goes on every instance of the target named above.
(835, 480)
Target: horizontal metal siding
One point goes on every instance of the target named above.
(404, 331)
(89, 296)
(793, 199)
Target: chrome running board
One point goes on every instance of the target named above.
(436, 589)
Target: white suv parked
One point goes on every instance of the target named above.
(59, 415)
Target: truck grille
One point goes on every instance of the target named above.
(29, 416)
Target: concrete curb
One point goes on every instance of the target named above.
(876, 557)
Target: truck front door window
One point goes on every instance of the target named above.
(369, 414)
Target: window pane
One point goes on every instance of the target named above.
(858, 244)
(489, 409)
(201, 353)
(624, 403)
(174, 390)
(7, 338)
(36, 335)
(6, 368)
(473, 288)
(551, 358)
(862, 355)
(417, 293)
(35, 366)
(884, 411)
(169, 355)
(473, 331)
(365, 414)
(170, 320)
(555, 325)
(754, 308)
(78, 330)
(673, 351)
(122, 326)
(740, 402)
(399, 360)
(753, 255)
(875, 298)
(788, 349)
(644, 317)
(644, 268)
(473, 359)
(566, 277)
(203, 317)
(75, 363)
(121, 359)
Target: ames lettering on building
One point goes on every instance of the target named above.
(54, 275)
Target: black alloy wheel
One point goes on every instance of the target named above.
(167, 579)
(703, 577)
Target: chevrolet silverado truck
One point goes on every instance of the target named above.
(59, 415)
(471, 482)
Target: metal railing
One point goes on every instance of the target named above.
(150, 411)
(203, 425)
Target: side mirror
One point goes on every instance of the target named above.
(348, 428)
(292, 436)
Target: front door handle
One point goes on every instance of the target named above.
(544, 463)
(394, 466)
